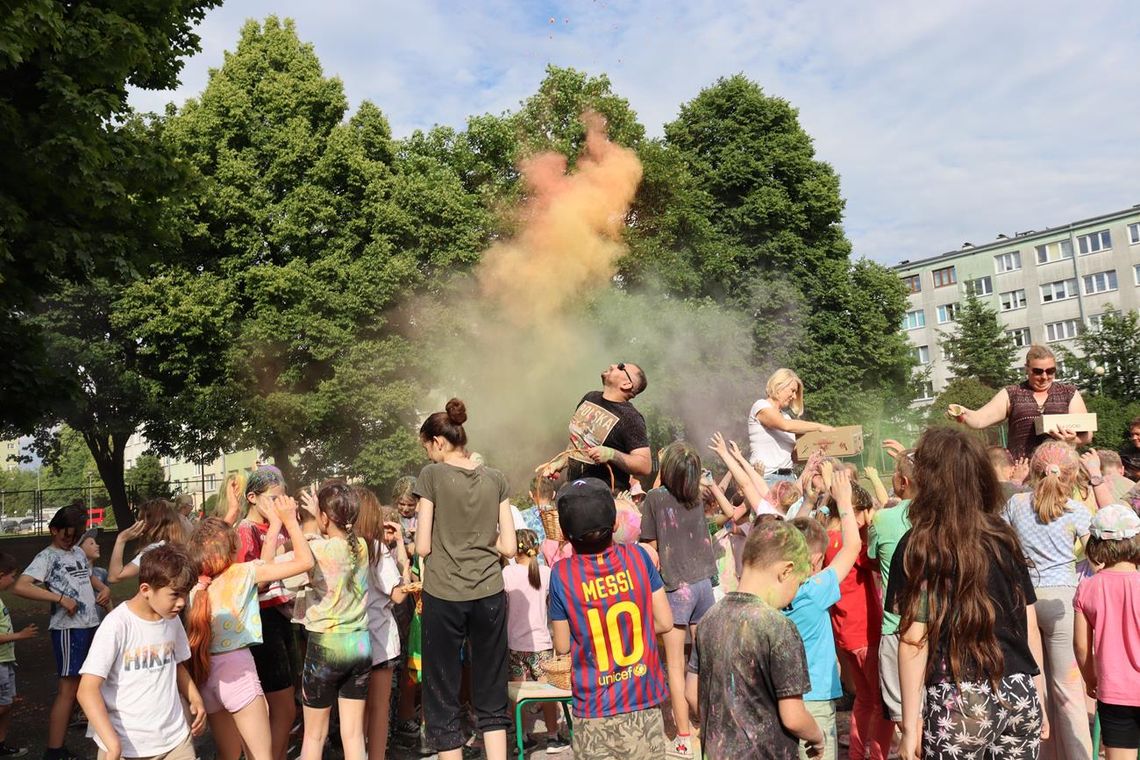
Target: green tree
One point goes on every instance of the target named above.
(73, 176)
(757, 207)
(972, 394)
(148, 479)
(980, 348)
(1113, 346)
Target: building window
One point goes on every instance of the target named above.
(983, 286)
(1136, 274)
(921, 354)
(1095, 322)
(1097, 241)
(1101, 282)
(1062, 249)
(1064, 330)
(1059, 291)
(926, 390)
(1134, 233)
(1012, 299)
(1007, 262)
(1020, 337)
(913, 283)
(947, 312)
(944, 277)
(914, 320)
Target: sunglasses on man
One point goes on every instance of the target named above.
(621, 366)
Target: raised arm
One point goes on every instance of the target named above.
(117, 571)
(747, 487)
(877, 485)
(995, 410)
(1101, 489)
(769, 417)
(842, 563)
(302, 562)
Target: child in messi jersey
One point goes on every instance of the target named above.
(607, 606)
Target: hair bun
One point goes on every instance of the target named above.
(456, 411)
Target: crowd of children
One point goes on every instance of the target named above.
(969, 609)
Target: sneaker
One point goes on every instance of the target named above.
(6, 751)
(556, 745)
(680, 746)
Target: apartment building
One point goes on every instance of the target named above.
(1046, 285)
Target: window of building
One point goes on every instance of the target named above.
(914, 320)
(921, 354)
(1101, 282)
(944, 277)
(1007, 262)
(1059, 291)
(1062, 330)
(947, 312)
(942, 353)
(1020, 337)
(913, 283)
(926, 390)
(1097, 241)
(1062, 249)
(1012, 299)
(983, 286)
(1134, 233)
(1095, 322)
(1136, 274)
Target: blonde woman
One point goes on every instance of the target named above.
(772, 431)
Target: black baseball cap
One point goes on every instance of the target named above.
(584, 506)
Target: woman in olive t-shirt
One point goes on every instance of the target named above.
(465, 524)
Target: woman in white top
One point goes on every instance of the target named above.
(772, 431)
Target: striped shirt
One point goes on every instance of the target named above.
(607, 599)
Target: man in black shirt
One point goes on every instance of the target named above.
(608, 438)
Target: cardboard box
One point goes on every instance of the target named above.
(841, 442)
(1081, 423)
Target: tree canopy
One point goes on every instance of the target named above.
(980, 348)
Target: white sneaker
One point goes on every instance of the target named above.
(680, 746)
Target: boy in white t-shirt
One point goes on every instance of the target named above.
(133, 675)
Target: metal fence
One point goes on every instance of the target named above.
(30, 511)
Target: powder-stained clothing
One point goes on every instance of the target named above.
(464, 563)
(67, 572)
(883, 536)
(1050, 546)
(856, 618)
(336, 599)
(682, 536)
(251, 540)
(748, 657)
(607, 599)
(235, 619)
(809, 612)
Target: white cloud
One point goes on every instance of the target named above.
(946, 121)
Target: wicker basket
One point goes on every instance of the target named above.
(550, 524)
(556, 672)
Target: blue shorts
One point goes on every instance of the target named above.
(690, 602)
(71, 646)
(7, 683)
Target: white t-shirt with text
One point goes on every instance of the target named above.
(138, 660)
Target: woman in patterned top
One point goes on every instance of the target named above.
(1022, 404)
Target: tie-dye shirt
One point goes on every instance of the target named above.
(67, 572)
(235, 618)
(336, 600)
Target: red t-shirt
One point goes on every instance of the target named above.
(251, 536)
(858, 615)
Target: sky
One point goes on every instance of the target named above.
(948, 122)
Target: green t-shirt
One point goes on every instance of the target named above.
(883, 536)
(8, 648)
(464, 562)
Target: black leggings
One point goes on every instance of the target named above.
(446, 625)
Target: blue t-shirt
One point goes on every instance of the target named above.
(808, 611)
(607, 599)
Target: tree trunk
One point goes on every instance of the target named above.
(283, 462)
(108, 452)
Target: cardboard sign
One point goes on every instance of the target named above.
(1081, 423)
(841, 442)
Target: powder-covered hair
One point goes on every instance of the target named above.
(370, 522)
(261, 480)
(681, 473)
(1053, 473)
(340, 503)
(221, 501)
(776, 540)
(957, 534)
(212, 548)
(528, 546)
(814, 533)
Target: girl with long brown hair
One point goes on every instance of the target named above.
(223, 622)
(1051, 524)
(157, 524)
(969, 638)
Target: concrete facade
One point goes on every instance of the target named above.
(1046, 286)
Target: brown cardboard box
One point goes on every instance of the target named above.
(1081, 423)
(841, 442)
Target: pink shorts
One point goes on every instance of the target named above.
(232, 683)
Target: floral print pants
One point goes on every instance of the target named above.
(969, 720)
